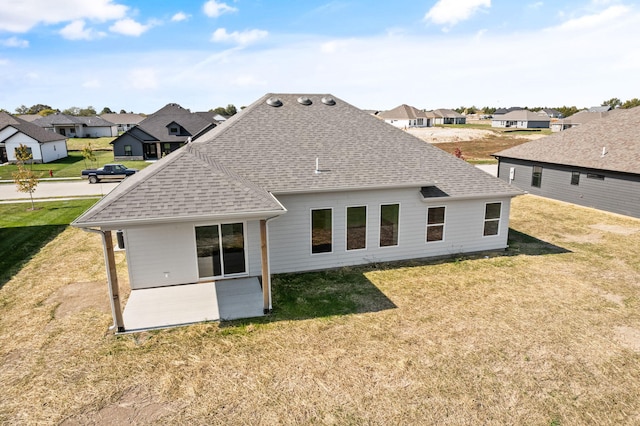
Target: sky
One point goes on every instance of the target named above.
(139, 55)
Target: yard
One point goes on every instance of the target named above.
(546, 333)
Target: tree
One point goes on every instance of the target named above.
(613, 103)
(123, 111)
(46, 112)
(88, 154)
(228, 111)
(631, 103)
(88, 111)
(106, 110)
(567, 111)
(231, 110)
(72, 111)
(25, 180)
(220, 110)
(22, 109)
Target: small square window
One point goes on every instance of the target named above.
(173, 130)
(128, 151)
(575, 178)
(595, 176)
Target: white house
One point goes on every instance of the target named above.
(405, 116)
(291, 183)
(448, 116)
(521, 119)
(44, 146)
(73, 126)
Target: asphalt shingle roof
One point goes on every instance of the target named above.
(274, 150)
(523, 115)
(64, 119)
(32, 130)
(155, 125)
(582, 146)
(402, 112)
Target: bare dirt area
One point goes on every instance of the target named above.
(457, 134)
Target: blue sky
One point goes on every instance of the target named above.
(139, 55)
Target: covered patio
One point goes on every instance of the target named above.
(177, 305)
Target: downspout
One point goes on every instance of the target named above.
(112, 279)
(269, 302)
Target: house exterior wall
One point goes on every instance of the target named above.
(403, 124)
(617, 193)
(137, 152)
(100, 131)
(290, 234)
(52, 151)
(20, 138)
(163, 255)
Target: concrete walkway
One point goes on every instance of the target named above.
(50, 190)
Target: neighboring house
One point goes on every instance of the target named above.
(123, 121)
(73, 126)
(296, 183)
(596, 164)
(521, 119)
(44, 146)
(448, 116)
(161, 133)
(405, 116)
(550, 112)
(579, 118)
(502, 111)
(601, 108)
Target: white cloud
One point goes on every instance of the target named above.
(450, 12)
(21, 16)
(213, 9)
(536, 5)
(14, 42)
(607, 16)
(77, 31)
(129, 27)
(241, 38)
(92, 84)
(180, 16)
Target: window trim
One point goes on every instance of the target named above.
(575, 178)
(428, 225)
(346, 227)
(397, 244)
(311, 210)
(595, 176)
(485, 220)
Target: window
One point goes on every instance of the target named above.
(220, 250)
(389, 218)
(29, 152)
(420, 121)
(356, 228)
(595, 176)
(127, 150)
(435, 224)
(536, 176)
(575, 178)
(321, 231)
(173, 130)
(492, 218)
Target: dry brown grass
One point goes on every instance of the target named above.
(546, 334)
(481, 150)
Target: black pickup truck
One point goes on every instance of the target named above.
(108, 172)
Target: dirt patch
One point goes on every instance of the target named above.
(448, 134)
(582, 239)
(629, 337)
(615, 229)
(77, 297)
(134, 407)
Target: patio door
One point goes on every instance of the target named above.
(221, 250)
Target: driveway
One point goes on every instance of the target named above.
(57, 189)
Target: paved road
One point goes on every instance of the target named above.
(56, 189)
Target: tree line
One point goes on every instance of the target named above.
(90, 111)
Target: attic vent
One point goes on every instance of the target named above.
(304, 100)
(328, 101)
(274, 102)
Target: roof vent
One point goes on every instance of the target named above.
(328, 101)
(304, 100)
(274, 102)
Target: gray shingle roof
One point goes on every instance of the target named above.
(274, 149)
(64, 119)
(447, 113)
(123, 118)
(582, 146)
(156, 124)
(523, 115)
(29, 129)
(402, 112)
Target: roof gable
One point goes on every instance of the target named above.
(157, 124)
(402, 112)
(523, 115)
(32, 130)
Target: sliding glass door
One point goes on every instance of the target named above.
(220, 250)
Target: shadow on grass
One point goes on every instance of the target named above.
(18, 246)
(348, 291)
(520, 243)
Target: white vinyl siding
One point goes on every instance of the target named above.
(290, 234)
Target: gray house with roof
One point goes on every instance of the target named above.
(596, 164)
(292, 183)
(405, 116)
(521, 119)
(45, 146)
(161, 133)
(73, 126)
(448, 116)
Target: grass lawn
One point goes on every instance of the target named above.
(547, 333)
(71, 166)
(77, 144)
(23, 232)
(480, 151)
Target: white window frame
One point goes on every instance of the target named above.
(485, 220)
(443, 224)
(311, 231)
(380, 223)
(246, 250)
